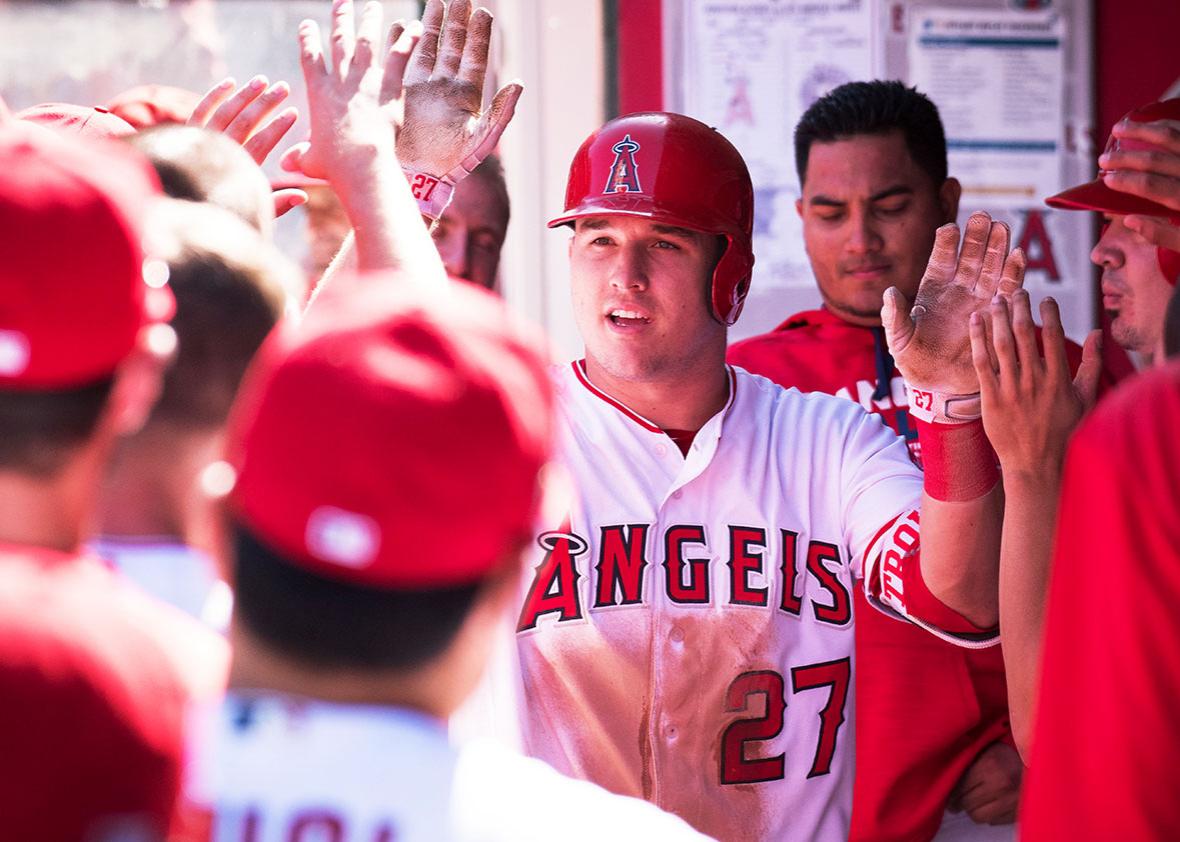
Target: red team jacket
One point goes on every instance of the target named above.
(1104, 753)
(925, 708)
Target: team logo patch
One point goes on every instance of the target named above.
(345, 538)
(624, 172)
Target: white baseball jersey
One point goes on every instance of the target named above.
(174, 573)
(272, 768)
(687, 634)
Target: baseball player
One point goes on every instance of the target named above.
(1136, 289)
(231, 287)
(1101, 768)
(872, 163)
(94, 675)
(470, 234)
(687, 634)
(394, 557)
(1137, 275)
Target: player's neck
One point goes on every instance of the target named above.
(684, 401)
(153, 486)
(50, 511)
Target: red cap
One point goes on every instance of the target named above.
(79, 119)
(145, 106)
(72, 292)
(394, 438)
(1096, 196)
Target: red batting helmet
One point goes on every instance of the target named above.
(673, 169)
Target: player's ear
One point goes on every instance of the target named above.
(799, 206)
(948, 199)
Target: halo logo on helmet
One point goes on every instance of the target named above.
(624, 172)
(692, 178)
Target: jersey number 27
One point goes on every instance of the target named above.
(736, 768)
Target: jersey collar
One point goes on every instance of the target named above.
(579, 367)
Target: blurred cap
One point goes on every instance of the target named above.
(394, 437)
(145, 106)
(73, 294)
(1096, 196)
(77, 119)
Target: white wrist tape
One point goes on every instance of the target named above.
(940, 408)
(433, 193)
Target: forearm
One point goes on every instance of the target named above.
(386, 221)
(1025, 550)
(962, 511)
(960, 554)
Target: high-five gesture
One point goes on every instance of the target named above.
(344, 89)
(245, 115)
(447, 132)
(930, 342)
(352, 138)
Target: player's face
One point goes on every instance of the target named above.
(640, 294)
(1134, 291)
(471, 232)
(869, 216)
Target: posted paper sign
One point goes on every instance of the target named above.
(751, 69)
(998, 78)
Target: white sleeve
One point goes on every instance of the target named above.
(878, 484)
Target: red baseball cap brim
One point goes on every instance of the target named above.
(1096, 196)
(77, 119)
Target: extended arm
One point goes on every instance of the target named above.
(1030, 407)
(444, 131)
(962, 502)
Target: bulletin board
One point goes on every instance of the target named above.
(1011, 78)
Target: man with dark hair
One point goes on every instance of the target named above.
(231, 286)
(932, 719)
(94, 675)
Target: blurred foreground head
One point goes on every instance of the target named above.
(200, 165)
(79, 307)
(387, 454)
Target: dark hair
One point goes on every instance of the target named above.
(321, 622)
(38, 430)
(228, 286)
(875, 107)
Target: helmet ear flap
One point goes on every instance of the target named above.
(731, 281)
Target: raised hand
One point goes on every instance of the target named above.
(1150, 174)
(247, 116)
(447, 132)
(1030, 401)
(930, 342)
(344, 88)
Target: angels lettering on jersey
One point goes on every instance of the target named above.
(619, 572)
